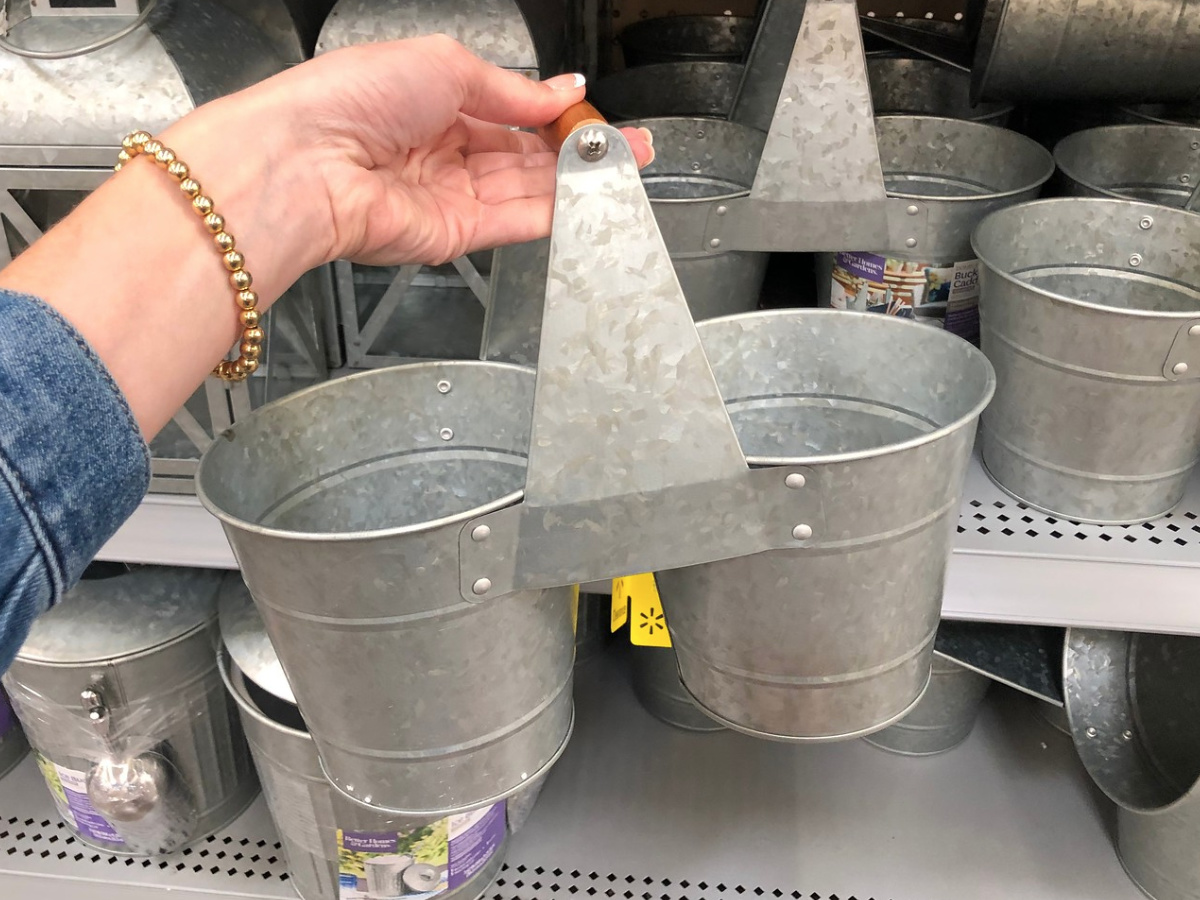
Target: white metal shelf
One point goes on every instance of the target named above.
(646, 812)
(1011, 564)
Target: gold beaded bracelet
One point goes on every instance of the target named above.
(250, 348)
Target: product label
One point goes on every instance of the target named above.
(8, 719)
(69, 789)
(945, 294)
(422, 862)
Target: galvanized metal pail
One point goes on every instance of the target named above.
(1164, 113)
(698, 164)
(1132, 702)
(1090, 310)
(343, 504)
(661, 693)
(832, 640)
(668, 89)
(325, 840)
(118, 691)
(13, 745)
(686, 39)
(959, 172)
(925, 87)
(944, 717)
(1155, 163)
(1105, 50)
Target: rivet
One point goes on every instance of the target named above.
(721, 210)
(695, 167)
(481, 587)
(1194, 331)
(1185, 179)
(1091, 732)
(1180, 368)
(911, 242)
(700, 134)
(715, 243)
(443, 387)
(802, 532)
(1196, 145)
(913, 210)
(480, 533)
(1127, 734)
(1146, 224)
(1135, 260)
(446, 434)
(795, 480)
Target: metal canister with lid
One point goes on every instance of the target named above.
(118, 691)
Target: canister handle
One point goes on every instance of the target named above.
(575, 117)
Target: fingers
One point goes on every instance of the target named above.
(513, 222)
(513, 183)
(479, 164)
(641, 142)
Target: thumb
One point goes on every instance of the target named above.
(508, 98)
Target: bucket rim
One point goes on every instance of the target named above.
(1014, 137)
(1068, 167)
(887, 449)
(227, 668)
(230, 520)
(707, 122)
(1151, 209)
(900, 58)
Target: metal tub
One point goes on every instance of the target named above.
(312, 820)
(661, 693)
(343, 504)
(833, 640)
(958, 172)
(1155, 163)
(1088, 310)
(1164, 113)
(121, 676)
(698, 164)
(944, 717)
(1107, 50)
(925, 87)
(1132, 701)
(686, 39)
(690, 89)
(13, 745)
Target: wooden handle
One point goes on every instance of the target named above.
(581, 114)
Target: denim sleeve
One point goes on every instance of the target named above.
(73, 465)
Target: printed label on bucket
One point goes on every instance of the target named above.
(945, 294)
(421, 862)
(69, 789)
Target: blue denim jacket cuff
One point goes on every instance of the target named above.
(70, 449)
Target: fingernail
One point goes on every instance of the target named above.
(568, 82)
(648, 135)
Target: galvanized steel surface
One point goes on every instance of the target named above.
(1165, 114)
(668, 89)
(924, 87)
(1088, 49)
(661, 693)
(245, 640)
(833, 640)
(1088, 308)
(347, 536)
(1154, 163)
(686, 39)
(943, 718)
(776, 27)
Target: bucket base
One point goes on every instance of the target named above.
(451, 811)
(895, 751)
(1141, 887)
(823, 739)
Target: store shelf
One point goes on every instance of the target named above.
(639, 811)
(1011, 564)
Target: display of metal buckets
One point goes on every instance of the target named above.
(327, 841)
(661, 693)
(686, 39)
(944, 717)
(1106, 50)
(925, 87)
(421, 703)
(668, 89)
(118, 690)
(1132, 701)
(13, 745)
(832, 640)
(1155, 163)
(698, 164)
(1091, 315)
(960, 171)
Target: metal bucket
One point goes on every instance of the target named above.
(833, 640)
(686, 39)
(315, 827)
(1132, 701)
(343, 504)
(592, 626)
(925, 87)
(1105, 50)
(691, 89)
(944, 717)
(1164, 113)
(698, 164)
(13, 745)
(661, 693)
(1155, 163)
(1088, 310)
(959, 171)
(119, 693)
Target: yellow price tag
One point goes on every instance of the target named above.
(620, 604)
(637, 597)
(575, 609)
